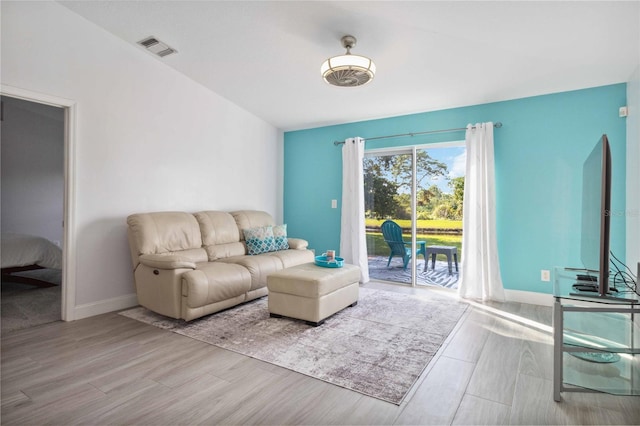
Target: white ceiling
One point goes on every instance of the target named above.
(265, 56)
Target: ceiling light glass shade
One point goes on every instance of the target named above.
(348, 70)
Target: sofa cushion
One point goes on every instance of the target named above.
(217, 228)
(222, 251)
(167, 261)
(258, 266)
(291, 258)
(297, 243)
(220, 235)
(214, 282)
(163, 232)
(259, 240)
(246, 219)
(280, 237)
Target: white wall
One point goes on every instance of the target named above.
(32, 169)
(147, 138)
(633, 171)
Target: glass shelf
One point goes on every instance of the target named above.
(601, 331)
(596, 340)
(618, 378)
(565, 278)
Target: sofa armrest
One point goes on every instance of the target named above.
(166, 261)
(297, 243)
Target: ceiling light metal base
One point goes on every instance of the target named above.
(348, 42)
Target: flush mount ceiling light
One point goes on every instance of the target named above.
(348, 70)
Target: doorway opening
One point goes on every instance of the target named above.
(60, 230)
(32, 182)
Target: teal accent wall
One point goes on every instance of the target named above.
(539, 152)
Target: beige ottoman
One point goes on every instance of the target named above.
(312, 293)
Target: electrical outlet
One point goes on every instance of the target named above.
(334, 204)
(623, 111)
(545, 275)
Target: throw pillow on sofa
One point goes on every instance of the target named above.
(280, 237)
(260, 240)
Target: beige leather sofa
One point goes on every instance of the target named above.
(190, 265)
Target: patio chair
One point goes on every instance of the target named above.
(392, 234)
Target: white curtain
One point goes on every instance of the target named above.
(480, 278)
(353, 241)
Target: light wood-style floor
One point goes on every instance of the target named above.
(495, 368)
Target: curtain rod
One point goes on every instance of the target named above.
(496, 125)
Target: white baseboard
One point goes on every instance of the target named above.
(531, 297)
(131, 300)
(104, 306)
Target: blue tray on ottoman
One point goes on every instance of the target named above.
(322, 261)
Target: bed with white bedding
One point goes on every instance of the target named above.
(22, 252)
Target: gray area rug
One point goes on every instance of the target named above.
(25, 306)
(439, 276)
(379, 347)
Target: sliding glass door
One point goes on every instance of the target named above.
(413, 208)
(389, 206)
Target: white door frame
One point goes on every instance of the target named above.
(405, 150)
(68, 247)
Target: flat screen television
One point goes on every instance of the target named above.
(596, 215)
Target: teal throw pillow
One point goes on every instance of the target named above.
(259, 240)
(280, 237)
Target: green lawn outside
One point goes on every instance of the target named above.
(435, 224)
(377, 247)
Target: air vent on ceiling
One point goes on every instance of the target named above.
(156, 47)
